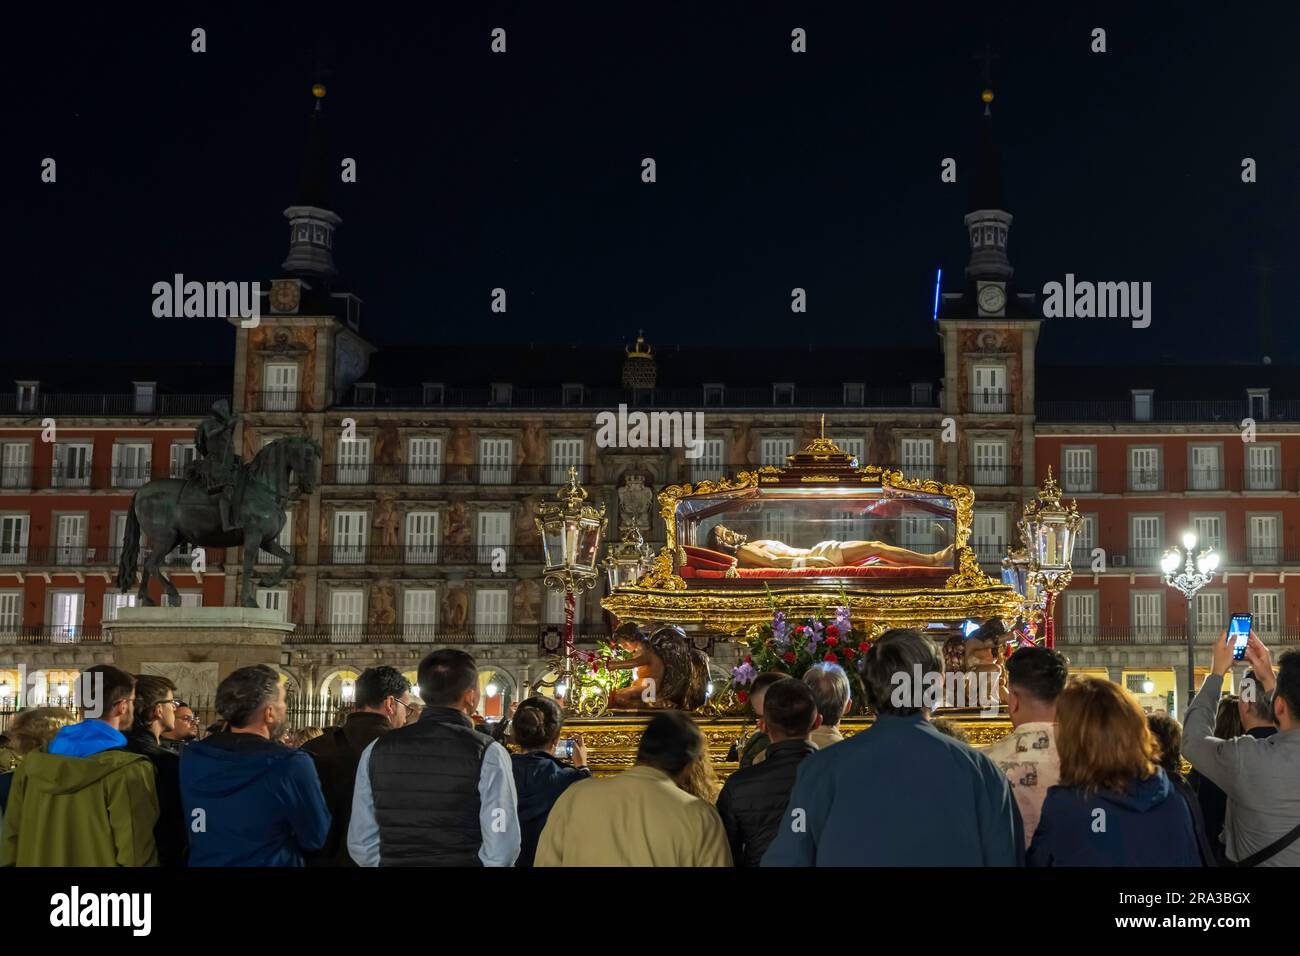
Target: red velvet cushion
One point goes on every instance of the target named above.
(708, 558)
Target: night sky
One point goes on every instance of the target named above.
(775, 170)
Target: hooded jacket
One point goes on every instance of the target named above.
(251, 802)
(539, 781)
(1149, 824)
(80, 801)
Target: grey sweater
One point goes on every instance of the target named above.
(1260, 777)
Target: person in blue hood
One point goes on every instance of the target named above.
(251, 801)
(540, 778)
(1114, 805)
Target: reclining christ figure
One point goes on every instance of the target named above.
(826, 554)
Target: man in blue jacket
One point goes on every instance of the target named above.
(900, 793)
(249, 800)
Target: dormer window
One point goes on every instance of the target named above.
(1258, 398)
(1143, 404)
(922, 393)
(432, 393)
(570, 394)
(27, 392)
(501, 392)
(144, 397)
(855, 393)
(713, 393)
(364, 393)
(783, 393)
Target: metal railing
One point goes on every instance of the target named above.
(1088, 481)
(104, 405)
(426, 474)
(279, 400)
(423, 634)
(53, 634)
(1165, 634)
(1217, 410)
(445, 554)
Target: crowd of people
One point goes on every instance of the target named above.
(1085, 778)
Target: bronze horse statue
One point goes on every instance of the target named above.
(176, 511)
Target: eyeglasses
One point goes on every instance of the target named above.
(191, 719)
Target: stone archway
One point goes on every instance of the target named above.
(498, 688)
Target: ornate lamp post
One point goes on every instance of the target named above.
(1015, 572)
(570, 533)
(1197, 569)
(1048, 529)
(628, 559)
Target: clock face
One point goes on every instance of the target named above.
(992, 298)
(284, 296)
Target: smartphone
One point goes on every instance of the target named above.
(1239, 634)
(564, 749)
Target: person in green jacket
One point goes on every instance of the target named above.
(81, 800)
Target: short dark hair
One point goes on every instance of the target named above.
(898, 651)
(1288, 682)
(790, 708)
(1260, 704)
(150, 691)
(537, 721)
(763, 683)
(445, 675)
(1039, 672)
(112, 686)
(670, 742)
(377, 684)
(246, 691)
(1169, 736)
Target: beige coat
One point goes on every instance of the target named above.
(637, 818)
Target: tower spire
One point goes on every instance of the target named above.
(987, 221)
(311, 221)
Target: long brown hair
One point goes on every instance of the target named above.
(1103, 737)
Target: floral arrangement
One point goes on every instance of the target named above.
(598, 672)
(793, 646)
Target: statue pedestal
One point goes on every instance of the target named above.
(196, 647)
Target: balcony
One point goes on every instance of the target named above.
(1171, 635)
(427, 634)
(445, 554)
(109, 406)
(991, 401)
(279, 400)
(54, 634)
(1167, 481)
(424, 474)
(1188, 412)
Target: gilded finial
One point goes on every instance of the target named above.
(318, 91)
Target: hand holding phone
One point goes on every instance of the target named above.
(1239, 634)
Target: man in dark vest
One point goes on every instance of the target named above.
(436, 792)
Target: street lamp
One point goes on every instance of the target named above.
(570, 533)
(1048, 529)
(1196, 571)
(627, 560)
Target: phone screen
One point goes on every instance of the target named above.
(564, 749)
(1239, 634)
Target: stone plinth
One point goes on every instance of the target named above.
(196, 646)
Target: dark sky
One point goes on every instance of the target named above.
(775, 170)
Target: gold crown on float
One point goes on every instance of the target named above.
(639, 349)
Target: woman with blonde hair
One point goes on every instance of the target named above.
(31, 730)
(703, 780)
(1114, 805)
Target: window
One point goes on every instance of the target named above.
(13, 539)
(782, 393)
(1077, 474)
(66, 610)
(1148, 615)
(1143, 404)
(778, 525)
(182, 457)
(491, 612)
(1261, 467)
(709, 463)
(11, 611)
(493, 533)
(775, 451)
(989, 535)
(1266, 606)
(1209, 531)
(918, 457)
(553, 613)
(502, 392)
(422, 537)
(116, 532)
(1258, 398)
(347, 613)
(16, 465)
(27, 392)
(354, 461)
(570, 394)
(714, 394)
(364, 393)
(432, 393)
(1146, 540)
(70, 538)
(855, 393)
(132, 463)
(495, 458)
(566, 453)
(284, 539)
(1081, 614)
(1085, 541)
(922, 393)
(1205, 471)
(918, 533)
(274, 599)
(1210, 615)
(1264, 539)
(72, 465)
(1144, 469)
(419, 613)
(853, 447)
(281, 394)
(990, 462)
(350, 529)
(144, 397)
(990, 388)
(424, 461)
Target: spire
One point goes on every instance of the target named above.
(988, 222)
(986, 187)
(311, 221)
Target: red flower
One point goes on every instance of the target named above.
(789, 657)
(830, 658)
(832, 641)
(848, 653)
(742, 696)
(832, 631)
(864, 647)
(748, 659)
(595, 668)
